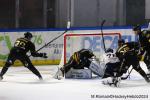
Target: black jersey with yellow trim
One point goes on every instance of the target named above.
(87, 53)
(144, 39)
(82, 55)
(24, 44)
(76, 57)
(132, 47)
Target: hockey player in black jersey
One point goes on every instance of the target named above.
(18, 52)
(128, 55)
(78, 60)
(144, 41)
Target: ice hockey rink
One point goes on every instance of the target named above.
(20, 84)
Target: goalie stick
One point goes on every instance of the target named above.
(124, 78)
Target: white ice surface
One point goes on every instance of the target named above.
(20, 84)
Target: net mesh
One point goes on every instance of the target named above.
(94, 42)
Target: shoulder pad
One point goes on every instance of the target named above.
(146, 31)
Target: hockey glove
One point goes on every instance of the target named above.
(43, 55)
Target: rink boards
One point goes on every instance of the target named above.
(54, 49)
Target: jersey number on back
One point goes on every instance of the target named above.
(20, 44)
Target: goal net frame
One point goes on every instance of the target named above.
(82, 35)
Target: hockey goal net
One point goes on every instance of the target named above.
(76, 42)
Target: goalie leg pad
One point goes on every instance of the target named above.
(79, 74)
(96, 68)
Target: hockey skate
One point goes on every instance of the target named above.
(59, 74)
(148, 74)
(1, 77)
(116, 81)
(147, 78)
(40, 78)
(113, 82)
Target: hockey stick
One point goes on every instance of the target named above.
(130, 70)
(124, 78)
(68, 27)
(102, 24)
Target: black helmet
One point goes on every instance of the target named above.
(109, 50)
(121, 41)
(136, 27)
(28, 35)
